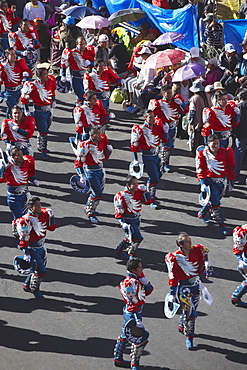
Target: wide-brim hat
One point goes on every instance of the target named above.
(170, 308)
(218, 86)
(204, 197)
(24, 267)
(78, 186)
(136, 171)
(196, 86)
(135, 334)
(244, 42)
(62, 87)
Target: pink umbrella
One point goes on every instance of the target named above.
(165, 58)
(94, 22)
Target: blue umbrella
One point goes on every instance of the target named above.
(79, 12)
(168, 38)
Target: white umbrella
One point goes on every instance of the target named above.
(94, 22)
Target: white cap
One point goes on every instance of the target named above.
(194, 52)
(230, 48)
(103, 38)
(144, 50)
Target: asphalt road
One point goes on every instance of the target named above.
(77, 324)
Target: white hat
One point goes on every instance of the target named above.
(144, 50)
(218, 86)
(230, 48)
(103, 38)
(209, 88)
(146, 43)
(194, 52)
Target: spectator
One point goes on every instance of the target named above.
(243, 10)
(69, 34)
(164, 4)
(241, 133)
(195, 57)
(213, 74)
(120, 55)
(34, 9)
(102, 50)
(228, 61)
(213, 34)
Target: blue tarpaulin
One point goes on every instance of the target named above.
(234, 31)
(183, 20)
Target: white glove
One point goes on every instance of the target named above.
(83, 180)
(241, 264)
(172, 298)
(144, 280)
(124, 226)
(87, 63)
(112, 115)
(166, 127)
(142, 187)
(27, 257)
(139, 324)
(203, 188)
(25, 53)
(236, 110)
(25, 74)
(136, 163)
(63, 79)
(36, 182)
(27, 113)
(178, 101)
(207, 265)
(14, 127)
(50, 212)
(110, 147)
(33, 35)
(54, 104)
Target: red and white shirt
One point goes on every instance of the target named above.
(221, 165)
(167, 112)
(99, 83)
(91, 154)
(75, 60)
(240, 239)
(144, 138)
(31, 228)
(12, 76)
(7, 20)
(134, 292)
(19, 176)
(218, 120)
(27, 124)
(182, 267)
(40, 94)
(21, 41)
(85, 116)
(126, 203)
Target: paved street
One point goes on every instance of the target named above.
(76, 326)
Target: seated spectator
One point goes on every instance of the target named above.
(228, 61)
(195, 57)
(120, 55)
(213, 74)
